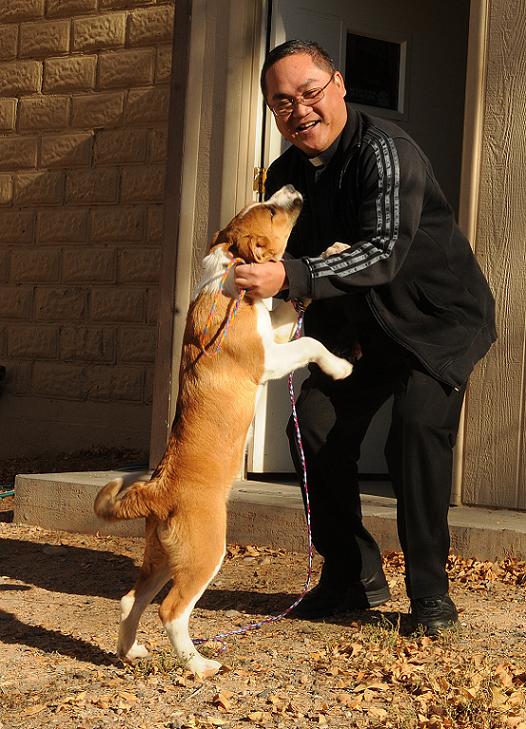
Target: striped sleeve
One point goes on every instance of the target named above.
(387, 215)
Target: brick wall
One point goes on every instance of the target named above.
(84, 91)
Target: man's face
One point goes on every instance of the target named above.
(310, 128)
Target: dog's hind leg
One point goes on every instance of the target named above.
(191, 577)
(153, 576)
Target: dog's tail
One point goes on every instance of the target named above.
(119, 500)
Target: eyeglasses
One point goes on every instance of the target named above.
(308, 98)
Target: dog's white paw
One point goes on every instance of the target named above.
(203, 667)
(337, 368)
(334, 249)
(136, 651)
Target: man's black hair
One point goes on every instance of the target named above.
(319, 56)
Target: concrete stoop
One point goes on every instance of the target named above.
(260, 513)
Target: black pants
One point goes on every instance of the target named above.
(334, 417)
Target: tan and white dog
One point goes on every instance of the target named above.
(184, 502)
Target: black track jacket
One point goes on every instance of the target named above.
(408, 258)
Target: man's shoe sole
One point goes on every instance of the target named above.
(433, 629)
(371, 599)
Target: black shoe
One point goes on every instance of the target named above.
(433, 614)
(328, 597)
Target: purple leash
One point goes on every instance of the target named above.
(273, 618)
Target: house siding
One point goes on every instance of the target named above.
(495, 441)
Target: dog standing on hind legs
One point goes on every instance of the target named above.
(184, 502)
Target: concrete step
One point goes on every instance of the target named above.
(260, 513)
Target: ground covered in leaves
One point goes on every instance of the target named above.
(59, 610)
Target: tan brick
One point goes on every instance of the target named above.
(89, 344)
(42, 39)
(16, 302)
(117, 304)
(83, 382)
(148, 385)
(20, 77)
(137, 344)
(158, 145)
(119, 224)
(59, 380)
(123, 4)
(126, 68)
(32, 341)
(4, 268)
(8, 42)
(62, 226)
(57, 8)
(143, 184)
(17, 152)
(34, 265)
(147, 105)
(97, 110)
(100, 31)
(155, 223)
(139, 265)
(7, 114)
(17, 10)
(163, 69)
(88, 264)
(74, 73)
(66, 150)
(19, 375)
(92, 186)
(115, 383)
(121, 145)
(61, 304)
(6, 189)
(150, 25)
(39, 188)
(16, 226)
(43, 112)
(152, 306)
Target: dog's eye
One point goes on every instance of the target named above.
(272, 212)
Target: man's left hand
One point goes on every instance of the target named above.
(261, 280)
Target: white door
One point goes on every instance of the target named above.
(425, 41)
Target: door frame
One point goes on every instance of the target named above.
(242, 153)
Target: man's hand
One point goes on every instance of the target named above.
(261, 280)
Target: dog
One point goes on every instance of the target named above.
(184, 502)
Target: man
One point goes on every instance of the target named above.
(410, 291)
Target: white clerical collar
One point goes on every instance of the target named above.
(323, 159)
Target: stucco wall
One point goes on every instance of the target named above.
(84, 93)
(495, 444)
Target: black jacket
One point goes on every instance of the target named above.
(408, 259)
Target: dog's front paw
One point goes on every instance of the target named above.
(337, 368)
(334, 249)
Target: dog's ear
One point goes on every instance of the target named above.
(258, 248)
(226, 236)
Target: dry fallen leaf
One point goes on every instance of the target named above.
(36, 709)
(222, 700)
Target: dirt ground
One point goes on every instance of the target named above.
(59, 610)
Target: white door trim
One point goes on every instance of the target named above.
(215, 105)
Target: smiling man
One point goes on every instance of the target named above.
(408, 288)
